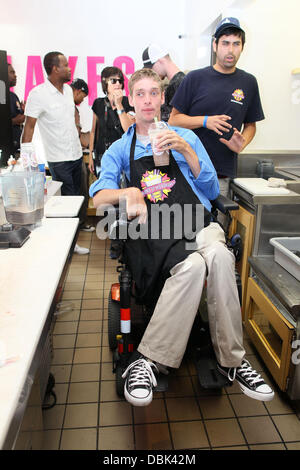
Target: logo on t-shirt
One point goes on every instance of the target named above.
(238, 96)
(156, 185)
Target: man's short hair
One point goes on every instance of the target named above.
(228, 26)
(235, 32)
(108, 72)
(51, 60)
(79, 84)
(140, 75)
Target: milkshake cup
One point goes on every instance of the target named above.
(156, 129)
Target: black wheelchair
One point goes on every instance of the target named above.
(128, 316)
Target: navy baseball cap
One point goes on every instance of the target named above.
(228, 22)
(79, 84)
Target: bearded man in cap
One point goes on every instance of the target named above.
(221, 103)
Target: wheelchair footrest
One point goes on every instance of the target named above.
(208, 375)
(162, 383)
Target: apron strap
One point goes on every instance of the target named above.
(132, 149)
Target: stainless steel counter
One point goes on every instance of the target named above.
(275, 216)
(281, 283)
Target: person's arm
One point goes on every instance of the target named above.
(248, 132)
(91, 143)
(172, 141)
(217, 123)
(125, 119)
(28, 129)
(17, 120)
(77, 121)
(134, 198)
(201, 168)
(240, 140)
(207, 181)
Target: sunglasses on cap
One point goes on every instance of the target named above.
(113, 81)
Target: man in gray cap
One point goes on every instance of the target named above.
(221, 103)
(158, 59)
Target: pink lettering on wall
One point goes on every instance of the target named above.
(72, 65)
(93, 77)
(126, 64)
(34, 73)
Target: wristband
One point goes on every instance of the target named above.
(120, 111)
(205, 121)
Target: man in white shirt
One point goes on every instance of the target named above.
(51, 105)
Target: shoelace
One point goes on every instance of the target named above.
(246, 371)
(249, 374)
(143, 372)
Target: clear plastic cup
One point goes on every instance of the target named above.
(23, 197)
(155, 129)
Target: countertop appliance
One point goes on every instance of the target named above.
(271, 303)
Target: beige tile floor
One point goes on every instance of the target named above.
(90, 415)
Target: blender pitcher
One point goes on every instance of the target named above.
(23, 197)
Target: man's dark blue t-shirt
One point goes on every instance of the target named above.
(206, 92)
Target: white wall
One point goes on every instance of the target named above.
(113, 29)
(271, 52)
(87, 28)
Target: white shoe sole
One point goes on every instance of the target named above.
(81, 251)
(137, 401)
(252, 393)
(256, 395)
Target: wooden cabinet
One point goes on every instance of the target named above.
(270, 332)
(243, 224)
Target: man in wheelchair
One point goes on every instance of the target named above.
(167, 268)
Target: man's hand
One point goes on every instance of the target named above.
(170, 140)
(236, 143)
(117, 98)
(218, 123)
(135, 205)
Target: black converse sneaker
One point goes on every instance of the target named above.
(250, 382)
(140, 380)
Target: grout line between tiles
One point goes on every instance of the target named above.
(74, 349)
(202, 417)
(168, 421)
(238, 421)
(100, 363)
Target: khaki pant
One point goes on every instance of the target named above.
(168, 331)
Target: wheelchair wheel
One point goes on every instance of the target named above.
(113, 322)
(119, 381)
